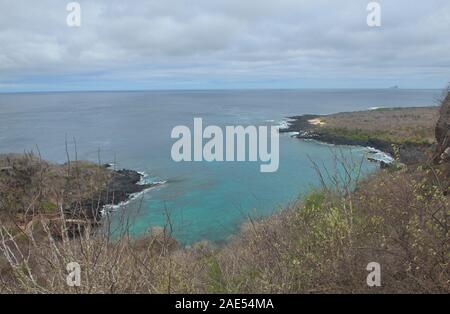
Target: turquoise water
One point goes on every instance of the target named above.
(222, 195)
(206, 201)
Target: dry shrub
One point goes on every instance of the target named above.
(325, 242)
(320, 244)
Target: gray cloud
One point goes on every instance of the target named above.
(223, 39)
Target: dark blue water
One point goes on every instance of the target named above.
(205, 200)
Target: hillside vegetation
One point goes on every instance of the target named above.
(396, 125)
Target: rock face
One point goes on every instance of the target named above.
(122, 185)
(442, 154)
(443, 133)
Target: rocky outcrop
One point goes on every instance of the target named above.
(121, 186)
(30, 186)
(442, 132)
(442, 154)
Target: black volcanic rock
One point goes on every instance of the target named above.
(122, 185)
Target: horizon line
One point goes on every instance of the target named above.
(210, 89)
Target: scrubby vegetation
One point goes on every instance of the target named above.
(393, 125)
(321, 244)
(31, 188)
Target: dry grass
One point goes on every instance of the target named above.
(395, 125)
(31, 189)
(322, 243)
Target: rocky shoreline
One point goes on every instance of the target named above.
(82, 190)
(121, 188)
(302, 127)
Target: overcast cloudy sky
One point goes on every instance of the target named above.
(202, 44)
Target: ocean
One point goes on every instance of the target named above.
(205, 201)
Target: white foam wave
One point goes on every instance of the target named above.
(145, 179)
(284, 124)
(378, 155)
(111, 208)
(370, 152)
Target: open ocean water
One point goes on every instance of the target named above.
(206, 201)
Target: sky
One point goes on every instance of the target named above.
(223, 44)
